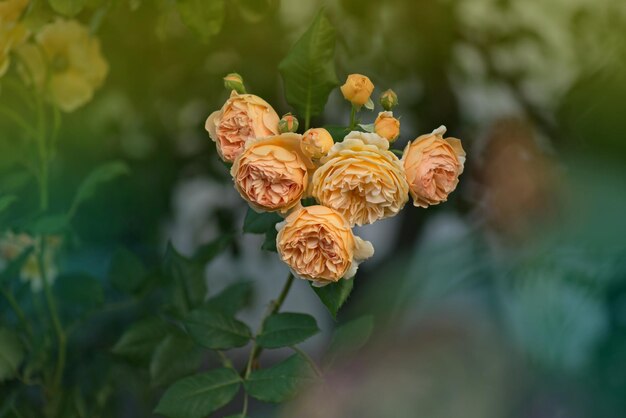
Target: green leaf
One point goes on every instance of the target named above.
(140, 340)
(67, 7)
(308, 70)
(280, 382)
(270, 241)
(334, 295)
(11, 354)
(126, 272)
(232, 299)
(175, 357)
(98, 176)
(337, 132)
(260, 223)
(204, 17)
(78, 293)
(217, 331)
(198, 396)
(350, 336)
(49, 224)
(255, 10)
(285, 329)
(207, 252)
(188, 275)
(6, 202)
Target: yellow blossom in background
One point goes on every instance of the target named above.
(357, 89)
(242, 118)
(12, 32)
(272, 174)
(433, 164)
(13, 245)
(317, 243)
(361, 179)
(76, 67)
(387, 126)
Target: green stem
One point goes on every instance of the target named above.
(272, 309)
(353, 118)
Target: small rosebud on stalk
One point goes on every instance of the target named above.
(388, 99)
(234, 81)
(387, 126)
(288, 123)
(357, 89)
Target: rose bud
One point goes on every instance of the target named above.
(242, 118)
(432, 165)
(357, 89)
(388, 99)
(316, 142)
(234, 81)
(288, 123)
(387, 126)
(317, 243)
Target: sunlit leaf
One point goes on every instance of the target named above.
(198, 396)
(285, 329)
(308, 70)
(281, 382)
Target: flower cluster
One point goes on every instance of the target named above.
(61, 59)
(354, 181)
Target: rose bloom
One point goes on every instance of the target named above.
(272, 173)
(357, 89)
(316, 142)
(12, 32)
(387, 126)
(76, 67)
(317, 243)
(242, 118)
(361, 179)
(432, 165)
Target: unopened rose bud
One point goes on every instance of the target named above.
(388, 99)
(387, 126)
(234, 81)
(357, 89)
(316, 142)
(288, 123)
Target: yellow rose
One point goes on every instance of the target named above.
(317, 243)
(12, 33)
(242, 118)
(316, 142)
(272, 173)
(76, 67)
(433, 164)
(387, 126)
(361, 179)
(357, 89)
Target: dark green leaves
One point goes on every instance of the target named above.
(204, 17)
(6, 201)
(95, 179)
(232, 299)
(217, 331)
(351, 336)
(176, 356)
(308, 70)
(198, 396)
(334, 295)
(78, 294)
(67, 7)
(187, 275)
(126, 272)
(138, 342)
(280, 382)
(11, 354)
(285, 329)
(263, 223)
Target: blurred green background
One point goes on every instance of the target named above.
(509, 300)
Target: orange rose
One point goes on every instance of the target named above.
(361, 179)
(387, 126)
(242, 118)
(357, 89)
(317, 243)
(272, 173)
(316, 142)
(433, 164)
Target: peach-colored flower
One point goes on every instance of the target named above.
(387, 126)
(317, 243)
(242, 118)
(316, 142)
(357, 89)
(361, 179)
(76, 67)
(272, 173)
(433, 164)
(12, 32)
